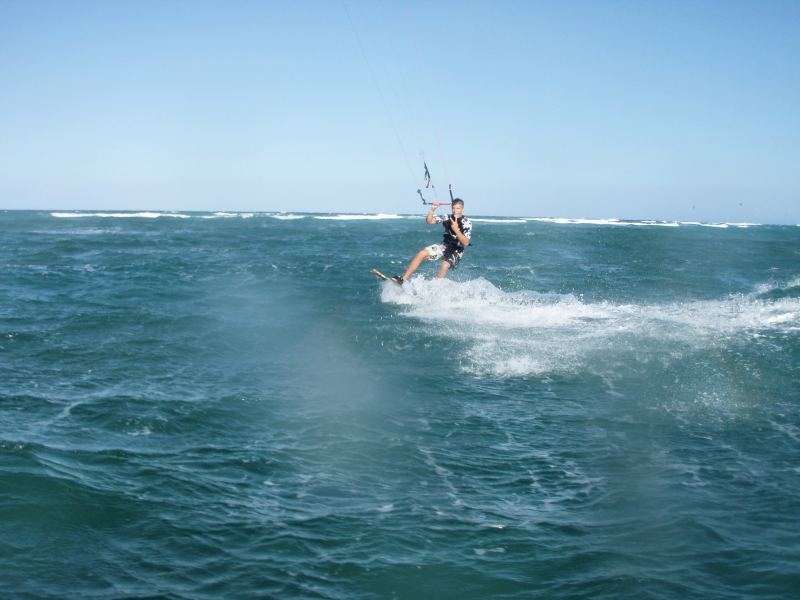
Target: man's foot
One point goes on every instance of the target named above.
(398, 279)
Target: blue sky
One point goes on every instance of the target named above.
(645, 110)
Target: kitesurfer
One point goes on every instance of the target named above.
(457, 236)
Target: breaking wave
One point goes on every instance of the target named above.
(119, 215)
(364, 217)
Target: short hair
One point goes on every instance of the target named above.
(457, 201)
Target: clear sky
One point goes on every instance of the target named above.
(630, 109)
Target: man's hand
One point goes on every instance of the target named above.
(454, 225)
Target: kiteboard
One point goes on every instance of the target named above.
(384, 277)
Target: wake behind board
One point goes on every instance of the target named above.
(384, 277)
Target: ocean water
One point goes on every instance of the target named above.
(230, 405)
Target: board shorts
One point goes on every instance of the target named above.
(447, 253)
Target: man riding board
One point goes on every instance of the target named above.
(457, 235)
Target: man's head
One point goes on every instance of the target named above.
(457, 206)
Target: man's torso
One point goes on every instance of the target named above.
(450, 239)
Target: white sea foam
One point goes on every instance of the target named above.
(488, 220)
(570, 221)
(362, 217)
(287, 217)
(227, 215)
(616, 222)
(636, 223)
(656, 223)
(527, 333)
(766, 288)
(723, 225)
(119, 215)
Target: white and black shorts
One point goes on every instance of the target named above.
(447, 253)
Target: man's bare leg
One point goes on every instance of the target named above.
(444, 269)
(415, 263)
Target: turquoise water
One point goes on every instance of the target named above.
(230, 405)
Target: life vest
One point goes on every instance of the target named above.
(450, 239)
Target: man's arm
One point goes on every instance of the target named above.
(459, 234)
(431, 218)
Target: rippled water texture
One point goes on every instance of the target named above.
(209, 405)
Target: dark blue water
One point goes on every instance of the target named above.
(207, 406)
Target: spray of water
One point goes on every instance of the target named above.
(529, 333)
